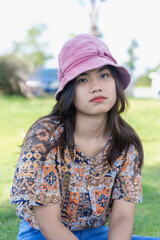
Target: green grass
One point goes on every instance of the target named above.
(16, 116)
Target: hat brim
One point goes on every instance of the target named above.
(90, 64)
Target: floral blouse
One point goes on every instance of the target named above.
(84, 188)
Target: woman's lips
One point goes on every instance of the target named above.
(98, 99)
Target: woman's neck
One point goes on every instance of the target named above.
(89, 127)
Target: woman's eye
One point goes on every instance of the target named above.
(82, 80)
(104, 75)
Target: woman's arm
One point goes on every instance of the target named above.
(49, 222)
(122, 220)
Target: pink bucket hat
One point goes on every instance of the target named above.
(83, 53)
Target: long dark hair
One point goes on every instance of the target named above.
(123, 135)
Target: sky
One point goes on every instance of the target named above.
(120, 21)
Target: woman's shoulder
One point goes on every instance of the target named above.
(47, 126)
(132, 152)
(43, 133)
(40, 138)
(131, 155)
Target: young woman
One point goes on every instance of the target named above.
(81, 165)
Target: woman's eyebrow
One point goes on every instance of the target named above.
(83, 74)
(103, 68)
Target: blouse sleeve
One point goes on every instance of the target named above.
(35, 181)
(128, 182)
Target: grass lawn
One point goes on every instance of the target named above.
(16, 116)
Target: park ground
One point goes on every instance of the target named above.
(16, 116)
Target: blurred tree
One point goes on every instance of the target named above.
(25, 58)
(31, 51)
(10, 81)
(132, 57)
(131, 64)
(145, 79)
(93, 6)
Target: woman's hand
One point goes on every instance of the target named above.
(50, 224)
(122, 220)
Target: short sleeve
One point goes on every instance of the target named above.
(128, 182)
(36, 178)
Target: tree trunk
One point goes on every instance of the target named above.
(94, 18)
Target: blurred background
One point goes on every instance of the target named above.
(32, 34)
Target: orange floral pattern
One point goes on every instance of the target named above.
(84, 188)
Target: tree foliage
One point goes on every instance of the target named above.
(13, 77)
(8, 75)
(132, 57)
(31, 50)
(145, 80)
(25, 58)
(130, 64)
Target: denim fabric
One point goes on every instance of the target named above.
(99, 233)
(26, 232)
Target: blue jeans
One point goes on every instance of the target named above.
(26, 232)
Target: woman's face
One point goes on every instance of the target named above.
(95, 92)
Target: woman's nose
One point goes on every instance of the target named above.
(95, 86)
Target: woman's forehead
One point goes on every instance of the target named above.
(96, 70)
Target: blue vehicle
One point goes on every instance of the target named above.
(47, 78)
